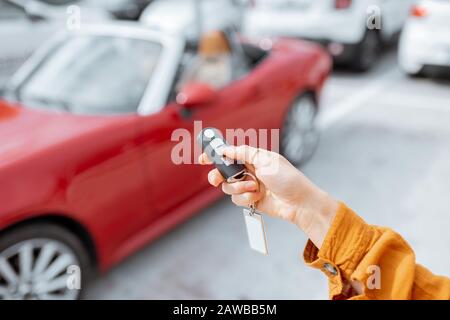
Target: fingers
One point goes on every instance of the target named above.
(250, 155)
(204, 160)
(243, 193)
(246, 199)
(239, 187)
(243, 154)
(215, 178)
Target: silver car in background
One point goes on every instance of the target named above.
(192, 17)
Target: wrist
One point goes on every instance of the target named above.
(315, 215)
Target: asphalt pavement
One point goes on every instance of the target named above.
(384, 150)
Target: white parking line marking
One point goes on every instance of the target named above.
(357, 100)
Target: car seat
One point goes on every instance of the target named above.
(213, 63)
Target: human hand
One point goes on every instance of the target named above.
(282, 190)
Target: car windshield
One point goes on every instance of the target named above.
(92, 75)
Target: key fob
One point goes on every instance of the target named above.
(212, 143)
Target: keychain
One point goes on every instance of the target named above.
(256, 229)
(213, 143)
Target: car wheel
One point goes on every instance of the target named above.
(300, 136)
(39, 262)
(367, 52)
(418, 74)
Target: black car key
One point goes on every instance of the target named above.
(213, 143)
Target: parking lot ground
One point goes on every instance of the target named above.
(384, 150)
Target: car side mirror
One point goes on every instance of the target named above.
(195, 95)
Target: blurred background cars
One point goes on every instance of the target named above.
(425, 41)
(341, 25)
(119, 9)
(191, 17)
(86, 110)
(122, 9)
(87, 124)
(27, 24)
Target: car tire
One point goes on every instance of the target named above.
(299, 135)
(411, 71)
(416, 75)
(42, 257)
(367, 52)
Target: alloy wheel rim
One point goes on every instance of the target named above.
(300, 134)
(36, 269)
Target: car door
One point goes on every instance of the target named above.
(101, 154)
(239, 105)
(174, 176)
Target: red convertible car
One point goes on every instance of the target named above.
(86, 176)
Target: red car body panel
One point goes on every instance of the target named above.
(114, 176)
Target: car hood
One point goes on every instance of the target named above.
(26, 131)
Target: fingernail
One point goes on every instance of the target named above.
(210, 178)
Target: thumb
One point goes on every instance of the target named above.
(243, 154)
(250, 155)
(265, 162)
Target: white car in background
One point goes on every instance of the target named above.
(188, 17)
(122, 9)
(425, 41)
(26, 24)
(341, 25)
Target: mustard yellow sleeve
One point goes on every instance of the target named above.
(377, 258)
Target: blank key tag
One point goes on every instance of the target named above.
(256, 231)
